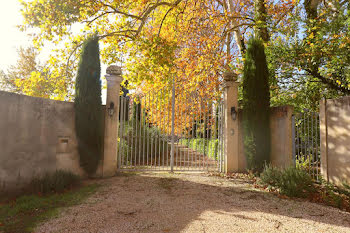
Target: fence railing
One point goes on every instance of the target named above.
(306, 143)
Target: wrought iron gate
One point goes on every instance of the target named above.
(306, 143)
(165, 130)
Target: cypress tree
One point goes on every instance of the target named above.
(256, 106)
(88, 106)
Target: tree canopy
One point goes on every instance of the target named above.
(197, 41)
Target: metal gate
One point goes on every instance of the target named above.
(306, 143)
(165, 130)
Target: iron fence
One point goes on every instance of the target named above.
(306, 143)
(165, 130)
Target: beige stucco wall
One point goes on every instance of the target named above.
(335, 139)
(281, 137)
(36, 136)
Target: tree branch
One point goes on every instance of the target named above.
(331, 83)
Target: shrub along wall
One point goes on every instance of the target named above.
(36, 136)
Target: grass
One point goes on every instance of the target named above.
(24, 213)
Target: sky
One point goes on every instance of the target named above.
(12, 38)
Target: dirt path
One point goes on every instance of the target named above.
(192, 203)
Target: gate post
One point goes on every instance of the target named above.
(114, 78)
(231, 134)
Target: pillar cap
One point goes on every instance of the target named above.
(114, 70)
(230, 76)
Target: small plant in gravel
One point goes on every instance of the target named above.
(295, 182)
(292, 181)
(56, 182)
(337, 196)
(270, 176)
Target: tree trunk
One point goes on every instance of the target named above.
(261, 20)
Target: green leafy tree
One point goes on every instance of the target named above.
(256, 105)
(88, 110)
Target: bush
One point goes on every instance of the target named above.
(295, 182)
(292, 181)
(54, 182)
(88, 107)
(202, 145)
(256, 106)
(270, 176)
(138, 142)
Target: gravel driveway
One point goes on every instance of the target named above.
(163, 202)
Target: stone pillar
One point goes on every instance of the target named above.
(231, 146)
(114, 78)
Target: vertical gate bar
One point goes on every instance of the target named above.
(179, 125)
(172, 126)
(148, 131)
(140, 131)
(151, 130)
(206, 137)
(293, 138)
(219, 136)
(203, 136)
(137, 140)
(193, 110)
(188, 120)
(182, 157)
(312, 145)
(296, 136)
(168, 131)
(128, 134)
(206, 149)
(209, 133)
(187, 155)
(163, 129)
(198, 136)
(298, 133)
(132, 133)
(308, 142)
(144, 129)
(121, 129)
(317, 145)
(126, 114)
(222, 136)
(304, 134)
(158, 134)
(137, 134)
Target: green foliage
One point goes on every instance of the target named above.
(292, 181)
(270, 176)
(295, 182)
(141, 139)
(256, 105)
(88, 107)
(203, 145)
(54, 183)
(303, 162)
(24, 213)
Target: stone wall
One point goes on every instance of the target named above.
(281, 138)
(335, 139)
(36, 136)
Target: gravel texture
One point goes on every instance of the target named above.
(163, 202)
